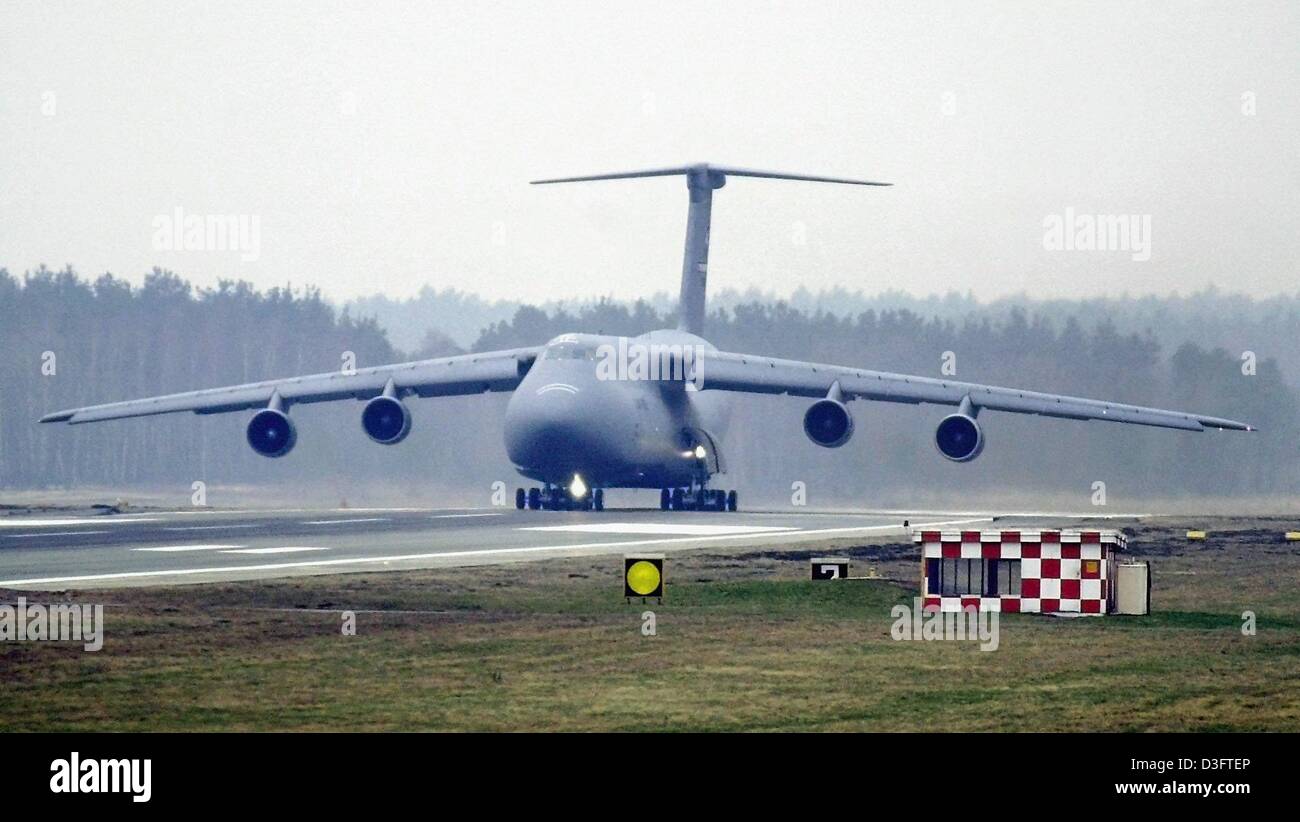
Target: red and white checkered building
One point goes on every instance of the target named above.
(1027, 571)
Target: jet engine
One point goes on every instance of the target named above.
(272, 433)
(828, 423)
(959, 438)
(386, 420)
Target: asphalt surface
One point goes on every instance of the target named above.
(56, 552)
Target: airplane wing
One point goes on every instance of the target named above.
(723, 371)
(442, 377)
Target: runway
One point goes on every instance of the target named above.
(194, 546)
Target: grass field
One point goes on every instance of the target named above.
(744, 642)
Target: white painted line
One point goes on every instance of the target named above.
(53, 534)
(235, 512)
(459, 516)
(176, 549)
(288, 549)
(393, 510)
(24, 522)
(325, 563)
(342, 521)
(213, 527)
(658, 528)
(261, 511)
(1006, 514)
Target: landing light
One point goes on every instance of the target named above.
(700, 452)
(578, 488)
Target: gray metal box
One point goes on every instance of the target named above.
(1133, 588)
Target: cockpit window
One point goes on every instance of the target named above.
(570, 351)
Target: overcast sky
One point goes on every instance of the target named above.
(382, 147)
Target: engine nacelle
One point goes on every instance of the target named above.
(386, 420)
(959, 438)
(271, 433)
(828, 423)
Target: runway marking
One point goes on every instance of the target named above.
(288, 549)
(659, 528)
(376, 510)
(260, 511)
(457, 516)
(176, 549)
(403, 510)
(23, 522)
(1006, 514)
(53, 534)
(213, 527)
(326, 563)
(342, 521)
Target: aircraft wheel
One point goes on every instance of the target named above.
(598, 499)
(719, 500)
(700, 496)
(665, 499)
(534, 499)
(521, 498)
(678, 500)
(731, 500)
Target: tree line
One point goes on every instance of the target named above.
(68, 341)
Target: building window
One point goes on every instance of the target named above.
(949, 576)
(1005, 577)
(973, 577)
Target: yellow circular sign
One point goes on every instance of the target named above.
(643, 577)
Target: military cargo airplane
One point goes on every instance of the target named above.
(592, 412)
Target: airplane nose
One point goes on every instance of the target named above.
(552, 443)
(551, 433)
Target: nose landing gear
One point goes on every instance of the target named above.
(557, 498)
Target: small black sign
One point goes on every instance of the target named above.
(830, 568)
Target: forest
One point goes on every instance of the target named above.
(70, 341)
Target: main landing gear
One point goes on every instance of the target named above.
(559, 498)
(696, 499)
(556, 498)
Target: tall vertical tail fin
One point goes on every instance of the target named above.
(701, 181)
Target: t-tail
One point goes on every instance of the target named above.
(701, 180)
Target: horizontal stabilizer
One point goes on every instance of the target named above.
(705, 168)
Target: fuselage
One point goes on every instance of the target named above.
(619, 412)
